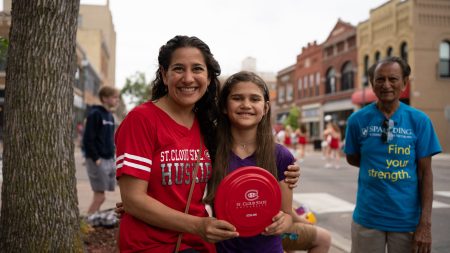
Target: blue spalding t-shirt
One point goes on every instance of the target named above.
(258, 243)
(388, 196)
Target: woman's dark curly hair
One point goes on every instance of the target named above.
(206, 107)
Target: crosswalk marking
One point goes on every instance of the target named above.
(443, 193)
(322, 202)
(438, 204)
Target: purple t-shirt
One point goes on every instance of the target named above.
(258, 243)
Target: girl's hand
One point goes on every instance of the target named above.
(213, 230)
(282, 222)
(292, 175)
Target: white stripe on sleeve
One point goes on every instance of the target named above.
(126, 158)
(137, 166)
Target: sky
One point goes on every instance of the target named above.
(272, 31)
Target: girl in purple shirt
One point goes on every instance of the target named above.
(246, 139)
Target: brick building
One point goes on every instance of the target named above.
(322, 81)
(339, 67)
(308, 93)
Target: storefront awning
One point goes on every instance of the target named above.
(359, 98)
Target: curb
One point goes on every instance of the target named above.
(340, 242)
(337, 241)
(442, 157)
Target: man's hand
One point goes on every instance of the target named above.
(422, 239)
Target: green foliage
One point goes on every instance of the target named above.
(136, 89)
(293, 118)
(3, 52)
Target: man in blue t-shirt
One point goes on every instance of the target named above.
(392, 144)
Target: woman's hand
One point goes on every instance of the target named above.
(213, 230)
(210, 229)
(292, 175)
(282, 222)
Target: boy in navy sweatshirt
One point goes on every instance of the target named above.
(98, 143)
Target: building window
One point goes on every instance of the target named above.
(311, 85)
(299, 87)
(351, 42)
(281, 95)
(377, 56)
(317, 83)
(444, 59)
(305, 86)
(289, 92)
(389, 51)
(404, 51)
(366, 69)
(330, 84)
(347, 76)
(340, 46)
(329, 51)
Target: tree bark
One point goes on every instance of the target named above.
(39, 210)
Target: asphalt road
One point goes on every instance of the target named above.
(329, 192)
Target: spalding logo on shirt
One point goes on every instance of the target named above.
(398, 132)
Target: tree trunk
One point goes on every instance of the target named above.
(39, 210)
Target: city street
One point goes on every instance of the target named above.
(331, 194)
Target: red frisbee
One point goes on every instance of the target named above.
(248, 198)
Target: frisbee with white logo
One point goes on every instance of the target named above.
(248, 198)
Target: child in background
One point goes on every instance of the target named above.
(335, 145)
(301, 135)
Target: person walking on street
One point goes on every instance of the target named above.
(335, 146)
(98, 145)
(326, 149)
(392, 144)
(302, 138)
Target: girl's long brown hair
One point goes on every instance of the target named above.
(265, 144)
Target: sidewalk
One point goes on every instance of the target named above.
(84, 190)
